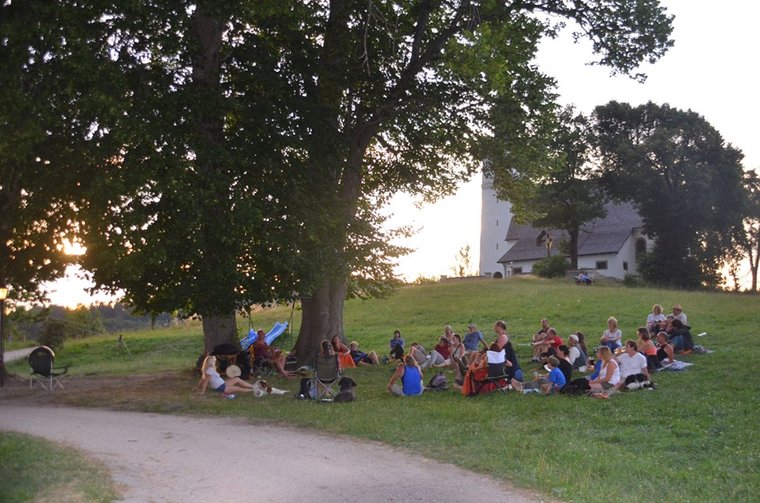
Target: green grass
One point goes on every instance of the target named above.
(693, 439)
(32, 469)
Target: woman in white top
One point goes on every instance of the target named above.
(611, 337)
(609, 374)
(655, 319)
(210, 378)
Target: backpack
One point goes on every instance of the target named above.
(307, 389)
(438, 382)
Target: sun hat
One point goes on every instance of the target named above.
(233, 371)
(471, 325)
(574, 337)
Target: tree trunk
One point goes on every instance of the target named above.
(220, 330)
(574, 248)
(321, 318)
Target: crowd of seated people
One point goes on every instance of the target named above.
(607, 368)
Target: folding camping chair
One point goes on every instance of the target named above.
(41, 361)
(494, 377)
(326, 373)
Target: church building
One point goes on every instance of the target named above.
(607, 246)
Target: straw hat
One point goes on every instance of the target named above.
(233, 371)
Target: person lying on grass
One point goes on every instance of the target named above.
(210, 378)
(362, 358)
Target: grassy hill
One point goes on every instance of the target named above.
(695, 438)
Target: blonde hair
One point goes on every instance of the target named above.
(209, 361)
(612, 320)
(657, 307)
(605, 353)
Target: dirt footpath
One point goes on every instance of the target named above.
(164, 458)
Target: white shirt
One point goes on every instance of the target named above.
(631, 365)
(574, 354)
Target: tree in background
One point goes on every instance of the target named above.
(565, 193)
(463, 265)
(685, 182)
(750, 242)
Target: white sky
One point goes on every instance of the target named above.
(709, 70)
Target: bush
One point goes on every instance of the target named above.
(52, 334)
(551, 267)
(633, 281)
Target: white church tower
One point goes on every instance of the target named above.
(495, 217)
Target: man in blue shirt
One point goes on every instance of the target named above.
(472, 339)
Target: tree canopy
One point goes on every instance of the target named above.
(239, 152)
(685, 181)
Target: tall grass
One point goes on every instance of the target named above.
(695, 438)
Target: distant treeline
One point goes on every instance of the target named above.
(82, 321)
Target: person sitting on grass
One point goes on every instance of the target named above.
(410, 375)
(665, 352)
(680, 337)
(397, 346)
(552, 383)
(578, 354)
(263, 352)
(609, 375)
(538, 339)
(227, 387)
(647, 347)
(656, 321)
(565, 366)
(439, 356)
(633, 367)
(344, 353)
(512, 366)
(472, 340)
(362, 358)
(612, 336)
(549, 345)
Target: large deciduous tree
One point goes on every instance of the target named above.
(685, 181)
(409, 97)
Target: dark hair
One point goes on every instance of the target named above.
(676, 323)
(582, 341)
(396, 332)
(326, 346)
(564, 349)
(502, 324)
(632, 345)
(494, 347)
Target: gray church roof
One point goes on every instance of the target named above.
(597, 237)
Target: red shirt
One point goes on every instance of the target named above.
(555, 341)
(444, 350)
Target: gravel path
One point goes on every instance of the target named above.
(164, 458)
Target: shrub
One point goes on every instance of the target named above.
(551, 267)
(52, 334)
